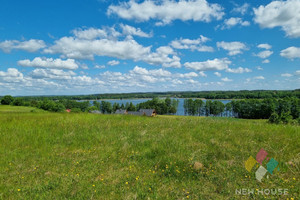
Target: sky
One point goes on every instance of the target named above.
(72, 47)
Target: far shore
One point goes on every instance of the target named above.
(152, 98)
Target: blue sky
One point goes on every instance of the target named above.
(98, 46)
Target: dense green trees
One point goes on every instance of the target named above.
(6, 100)
(162, 106)
(284, 110)
(198, 107)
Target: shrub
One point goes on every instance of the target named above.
(274, 118)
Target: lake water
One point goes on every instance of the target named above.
(180, 109)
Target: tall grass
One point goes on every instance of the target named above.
(86, 156)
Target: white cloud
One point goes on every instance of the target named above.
(233, 21)
(29, 45)
(286, 75)
(259, 77)
(297, 73)
(284, 14)
(12, 75)
(239, 70)
(218, 74)
(291, 52)
(52, 74)
(209, 65)
(99, 66)
(49, 63)
(259, 68)
(265, 61)
(233, 48)
(226, 79)
(264, 54)
(167, 11)
(264, 46)
(188, 75)
(113, 62)
(77, 48)
(241, 9)
(196, 44)
(155, 72)
(84, 66)
(90, 34)
(202, 74)
(130, 30)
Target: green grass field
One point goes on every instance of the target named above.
(85, 156)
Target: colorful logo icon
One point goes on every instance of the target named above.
(261, 171)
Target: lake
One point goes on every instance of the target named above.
(180, 109)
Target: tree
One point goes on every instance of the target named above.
(18, 102)
(7, 100)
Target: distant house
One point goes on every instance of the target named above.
(120, 111)
(95, 112)
(141, 112)
(68, 110)
(148, 112)
(135, 113)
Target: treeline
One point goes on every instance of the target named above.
(286, 110)
(162, 106)
(242, 94)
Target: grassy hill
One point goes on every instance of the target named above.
(18, 109)
(85, 156)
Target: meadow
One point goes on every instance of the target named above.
(48, 155)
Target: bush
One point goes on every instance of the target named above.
(286, 117)
(274, 118)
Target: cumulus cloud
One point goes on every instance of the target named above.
(259, 78)
(188, 75)
(52, 74)
(99, 66)
(209, 65)
(128, 48)
(218, 74)
(234, 21)
(130, 30)
(259, 68)
(30, 45)
(264, 54)
(266, 61)
(226, 79)
(196, 44)
(93, 33)
(49, 63)
(282, 14)
(167, 11)
(233, 48)
(291, 52)
(241, 9)
(286, 75)
(202, 74)
(113, 62)
(264, 46)
(12, 75)
(238, 70)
